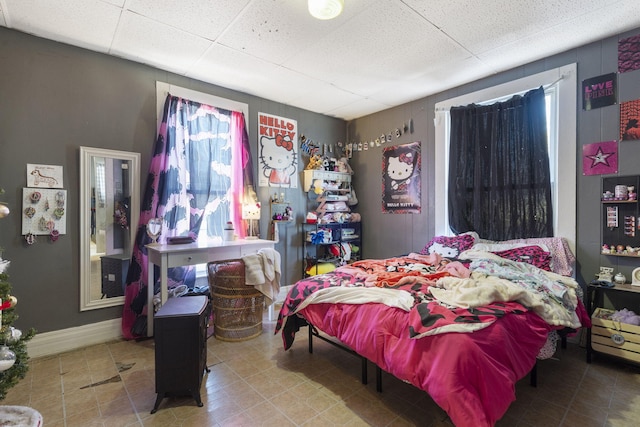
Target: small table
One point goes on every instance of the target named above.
(169, 256)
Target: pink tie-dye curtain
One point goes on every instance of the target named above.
(200, 173)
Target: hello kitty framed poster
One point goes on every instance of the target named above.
(401, 185)
(277, 151)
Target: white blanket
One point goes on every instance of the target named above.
(262, 271)
(360, 295)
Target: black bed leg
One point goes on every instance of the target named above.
(310, 339)
(378, 379)
(533, 375)
(364, 370)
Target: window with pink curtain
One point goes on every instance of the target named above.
(200, 173)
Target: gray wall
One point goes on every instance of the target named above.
(381, 235)
(55, 98)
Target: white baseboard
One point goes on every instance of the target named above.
(55, 342)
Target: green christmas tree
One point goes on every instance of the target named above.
(11, 337)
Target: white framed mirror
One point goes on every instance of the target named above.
(109, 213)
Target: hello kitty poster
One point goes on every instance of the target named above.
(277, 151)
(401, 185)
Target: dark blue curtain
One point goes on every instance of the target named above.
(499, 177)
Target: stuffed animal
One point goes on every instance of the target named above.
(321, 268)
(318, 186)
(342, 165)
(315, 162)
(445, 251)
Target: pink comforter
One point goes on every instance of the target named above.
(471, 376)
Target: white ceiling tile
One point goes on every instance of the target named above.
(239, 71)
(119, 3)
(436, 80)
(562, 37)
(376, 54)
(323, 97)
(85, 23)
(359, 108)
(153, 43)
(275, 30)
(204, 18)
(481, 26)
(366, 53)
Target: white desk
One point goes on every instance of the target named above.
(168, 256)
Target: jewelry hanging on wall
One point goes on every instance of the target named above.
(30, 238)
(60, 199)
(30, 212)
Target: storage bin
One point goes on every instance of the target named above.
(614, 338)
(237, 307)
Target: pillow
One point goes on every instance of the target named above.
(448, 247)
(504, 246)
(533, 255)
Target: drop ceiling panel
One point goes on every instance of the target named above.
(151, 42)
(376, 54)
(481, 26)
(276, 30)
(559, 38)
(435, 80)
(369, 52)
(361, 107)
(323, 97)
(206, 19)
(85, 23)
(239, 71)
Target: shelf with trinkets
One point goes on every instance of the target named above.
(332, 234)
(620, 233)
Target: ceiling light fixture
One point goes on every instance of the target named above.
(325, 9)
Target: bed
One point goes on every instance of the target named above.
(463, 320)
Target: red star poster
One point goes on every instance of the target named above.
(600, 158)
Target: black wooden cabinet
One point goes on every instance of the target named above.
(180, 328)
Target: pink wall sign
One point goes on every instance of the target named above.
(600, 158)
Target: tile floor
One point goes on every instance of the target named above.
(257, 383)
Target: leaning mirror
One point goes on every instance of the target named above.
(109, 211)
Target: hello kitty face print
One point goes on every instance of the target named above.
(401, 185)
(278, 160)
(400, 170)
(277, 151)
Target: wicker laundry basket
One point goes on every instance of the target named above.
(237, 308)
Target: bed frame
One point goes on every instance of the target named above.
(314, 332)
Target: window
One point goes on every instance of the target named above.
(162, 90)
(560, 89)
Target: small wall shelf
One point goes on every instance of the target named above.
(311, 175)
(620, 219)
